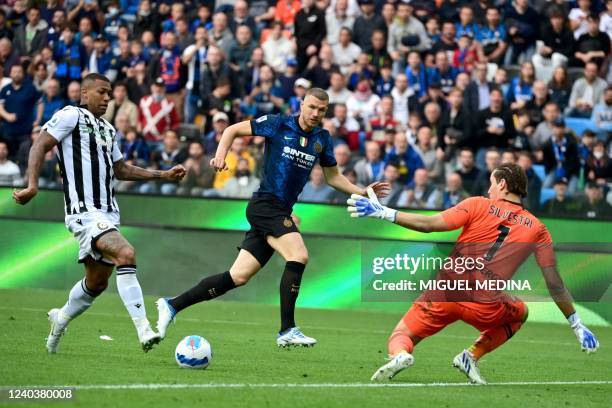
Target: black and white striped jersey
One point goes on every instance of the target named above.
(86, 151)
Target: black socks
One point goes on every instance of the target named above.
(289, 290)
(207, 289)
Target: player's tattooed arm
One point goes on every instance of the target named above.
(124, 171)
(41, 146)
(557, 290)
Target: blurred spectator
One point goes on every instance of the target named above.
(338, 197)
(561, 204)
(495, 126)
(371, 167)
(278, 49)
(476, 97)
(287, 79)
(452, 194)
(455, 125)
(121, 104)
(194, 57)
(522, 23)
(138, 83)
(417, 77)
(9, 171)
(169, 156)
(100, 60)
(586, 92)
(52, 102)
(465, 56)
(220, 34)
(316, 189)
(343, 157)
(220, 122)
(539, 98)
(521, 87)
(544, 130)
(555, 47)
(421, 193)
(18, 102)
(593, 205)
(482, 183)
(406, 34)
(443, 73)
(309, 32)
(594, 45)
(241, 49)
(362, 104)
(156, 113)
(400, 94)
(560, 88)
(534, 184)
(338, 93)
(560, 157)
(492, 36)
(320, 68)
(404, 157)
(446, 42)
(578, 18)
(466, 168)
(135, 151)
(168, 67)
(345, 51)
(605, 24)
(70, 56)
(30, 38)
(266, 96)
(336, 20)
(602, 112)
(382, 120)
(243, 184)
(237, 151)
(426, 150)
(74, 93)
(199, 175)
(286, 11)
(367, 23)
(347, 126)
(361, 69)
(391, 175)
(599, 165)
(241, 17)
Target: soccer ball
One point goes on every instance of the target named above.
(193, 352)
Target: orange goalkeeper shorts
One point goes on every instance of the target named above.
(424, 319)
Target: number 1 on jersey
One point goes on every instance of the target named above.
(503, 234)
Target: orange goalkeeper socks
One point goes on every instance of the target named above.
(400, 341)
(491, 339)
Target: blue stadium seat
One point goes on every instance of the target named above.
(579, 125)
(547, 194)
(539, 171)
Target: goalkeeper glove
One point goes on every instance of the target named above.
(360, 206)
(586, 338)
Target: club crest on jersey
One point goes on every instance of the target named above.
(303, 141)
(287, 223)
(102, 225)
(318, 147)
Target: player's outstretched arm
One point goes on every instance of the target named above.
(563, 299)
(360, 206)
(341, 183)
(239, 129)
(41, 146)
(124, 171)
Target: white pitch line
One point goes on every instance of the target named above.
(306, 385)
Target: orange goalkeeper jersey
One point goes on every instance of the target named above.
(501, 232)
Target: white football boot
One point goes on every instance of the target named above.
(147, 337)
(398, 363)
(58, 328)
(294, 337)
(465, 363)
(166, 315)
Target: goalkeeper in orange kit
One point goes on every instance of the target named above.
(502, 233)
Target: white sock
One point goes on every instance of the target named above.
(79, 300)
(131, 293)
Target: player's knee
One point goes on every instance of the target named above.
(97, 285)
(300, 256)
(126, 255)
(240, 278)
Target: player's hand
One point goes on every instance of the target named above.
(175, 173)
(218, 164)
(586, 338)
(381, 189)
(360, 206)
(24, 196)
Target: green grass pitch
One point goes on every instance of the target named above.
(332, 374)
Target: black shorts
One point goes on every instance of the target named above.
(267, 216)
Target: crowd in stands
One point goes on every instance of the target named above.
(428, 95)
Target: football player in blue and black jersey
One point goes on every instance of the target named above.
(293, 145)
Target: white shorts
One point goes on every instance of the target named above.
(88, 228)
